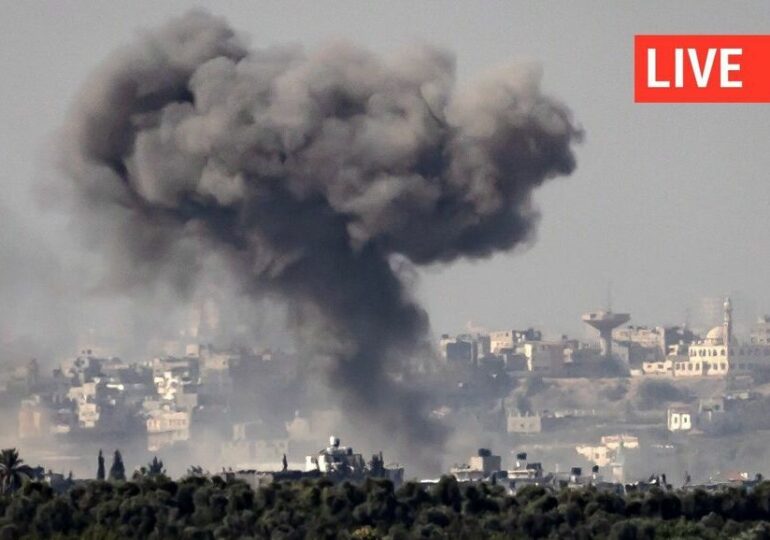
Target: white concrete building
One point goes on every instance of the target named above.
(485, 461)
(546, 357)
(166, 426)
(708, 357)
(613, 442)
(679, 418)
(661, 368)
(164, 420)
(479, 467)
(640, 343)
(721, 353)
(335, 458)
(83, 393)
(607, 452)
(599, 454)
(717, 355)
(88, 415)
(508, 339)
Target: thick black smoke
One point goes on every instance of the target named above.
(312, 173)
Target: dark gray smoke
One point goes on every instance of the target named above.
(313, 174)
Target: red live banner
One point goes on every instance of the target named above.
(701, 69)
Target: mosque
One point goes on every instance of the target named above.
(720, 353)
(717, 355)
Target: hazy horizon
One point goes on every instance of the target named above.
(668, 202)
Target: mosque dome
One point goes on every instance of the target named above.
(716, 336)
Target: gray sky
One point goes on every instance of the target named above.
(670, 202)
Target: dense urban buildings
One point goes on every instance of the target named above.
(634, 401)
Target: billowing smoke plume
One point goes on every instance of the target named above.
(314, 174)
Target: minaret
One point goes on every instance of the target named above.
(728, 323)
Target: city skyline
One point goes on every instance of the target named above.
(507, 258)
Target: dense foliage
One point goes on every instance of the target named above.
(118, 470)
(13, 471)
(154, 506)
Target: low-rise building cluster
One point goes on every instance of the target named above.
(634, 396)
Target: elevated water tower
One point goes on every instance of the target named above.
(605, 322)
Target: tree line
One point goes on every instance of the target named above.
(151, 505)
